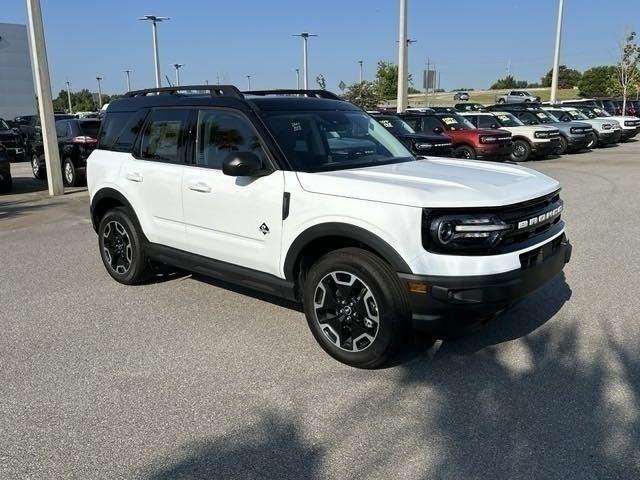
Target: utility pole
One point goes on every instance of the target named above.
(156, 57)
(128, 73)
(69, 96)
(305, 56)
(297, 79)
(178, 66)
(403, 83)
(360, 62)
(426, 83)
(99, 79)
(509, 67)
(248, 82)
(218, 78)
(45, 103)
(556, 53)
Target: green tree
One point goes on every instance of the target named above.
(386, 82)
(567, 77)
(509, 82)
(597, 81)
(81, 101)
(321, 81)
(364, 94)
(627, 71)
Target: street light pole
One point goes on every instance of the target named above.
(156, 57)
(69, 96)
(248, 82)
(297, 79)
(305, 56)
(360, 62)
(99, 79)
(178, 66)
(403, 58)
(45, 103)
(556, 53)
(128, 73)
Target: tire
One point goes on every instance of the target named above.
(6, 184)
(563, 147)
(465, 152)
(351, 292)
(594, 140)
(69, 173)
(520, 151)
(501, 100)
(527, 100)
(121, 250)
(38, 171)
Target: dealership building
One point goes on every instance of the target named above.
(17, 93)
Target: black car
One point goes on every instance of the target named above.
(29, 126)
(76, 140)
(418, 143)
(5, 171)
(12, 141)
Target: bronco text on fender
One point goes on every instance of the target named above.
(302, 195)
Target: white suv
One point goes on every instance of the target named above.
(302, 195)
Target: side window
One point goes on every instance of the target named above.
(120, 129)
(414, 122)
(429, 123)
(165, 135)
(527, 118)
(61, 129)
(485, 121)
(473, 119)
(221, 132)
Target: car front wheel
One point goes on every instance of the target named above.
(521, 151)
(70, 173)
(593, 140)
(464, 152)
(563, 147)
(356, 307)
(38, 172)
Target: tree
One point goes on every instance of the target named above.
(321, 81)
(81, 101)
(627, 70)
(567, 77)
(386, 82)
(597, 81)
(364, 94)
(509, 82)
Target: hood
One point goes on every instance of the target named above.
(424, 137)
(492, 132)
(435, 183)
(621, 119)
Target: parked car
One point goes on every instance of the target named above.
(372, 244)
(573, 137)
(635, 104)
(469, 107)
(11, 139)
(468, 141)
(517, 96)
(76, 140)
(419, 144)
(30, 127)
(528, 140)
(6, 181)
(630, 125)
(461, 96)
(605, 132)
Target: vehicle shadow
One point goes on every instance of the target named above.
(16, 208)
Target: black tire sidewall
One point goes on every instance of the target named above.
(74, 180)
(385, 287)
(465, 148)
(564, 146)
(527, 147)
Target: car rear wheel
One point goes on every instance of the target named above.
(121, 250)
(356, 307)
(501, 100)
(521, 151)
(464, 152)
(563, 146)
(593, 140)
(69, 173)
(38, 172)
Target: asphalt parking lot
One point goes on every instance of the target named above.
(187, 378)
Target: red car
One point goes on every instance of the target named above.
(468, 141)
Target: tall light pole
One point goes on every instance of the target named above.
(403, 59)
(45, 103)
(248, 82)
(556, 53)
(305, 56)
(297, 79)
(128, 74)
(156, 58)
(99, 79)
(69, 96)
(361, 63)
(178, 66)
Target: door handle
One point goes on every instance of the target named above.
(134, 177)
(200, 187)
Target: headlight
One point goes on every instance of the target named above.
(466, 232)
(484, 139)
(606, 126)
(630, 123)
(423, 146)
(541, 135)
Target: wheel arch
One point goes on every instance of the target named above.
(104, 200)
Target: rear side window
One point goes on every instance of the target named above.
(485, 121)
(165, 135)
(413, 123)
(120, 129)
(90, 128)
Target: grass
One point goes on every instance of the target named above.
(486, 97)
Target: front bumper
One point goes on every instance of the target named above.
(454, 305)
(609, 137)
(628, 133)
(545, 148)
(497, 150)
(578, 142)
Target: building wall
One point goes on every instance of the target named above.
(17, 92)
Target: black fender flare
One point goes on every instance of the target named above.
(110, 194)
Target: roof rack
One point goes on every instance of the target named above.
(213, 90)
(306, 93)
(514, 106)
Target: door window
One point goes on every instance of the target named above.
(485, 121)
(221, 132)
(165, 135)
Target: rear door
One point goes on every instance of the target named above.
(233, 219)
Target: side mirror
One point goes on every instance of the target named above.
(438, 130)
(243, 164)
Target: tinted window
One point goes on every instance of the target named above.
(165, 135)
(413, 122)
(89, 128)
(120, 129)
(61, 129)
(429, 123)
(221, 132)
(485, 121)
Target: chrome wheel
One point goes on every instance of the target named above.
(346, 311)
(68, 172)
(35, 166)
(116, 246)
(519, 150)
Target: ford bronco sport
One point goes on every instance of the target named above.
(302, 195)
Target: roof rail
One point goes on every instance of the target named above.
(305, 93)
(213, 90)
(514, 106)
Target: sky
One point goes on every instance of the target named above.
(470, 41)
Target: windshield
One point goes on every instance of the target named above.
(395, 125)
(577, 115)
(455, 122)
(3, 125)
(544, 117)
(315, 141)
(600, 112)
(508, 120)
